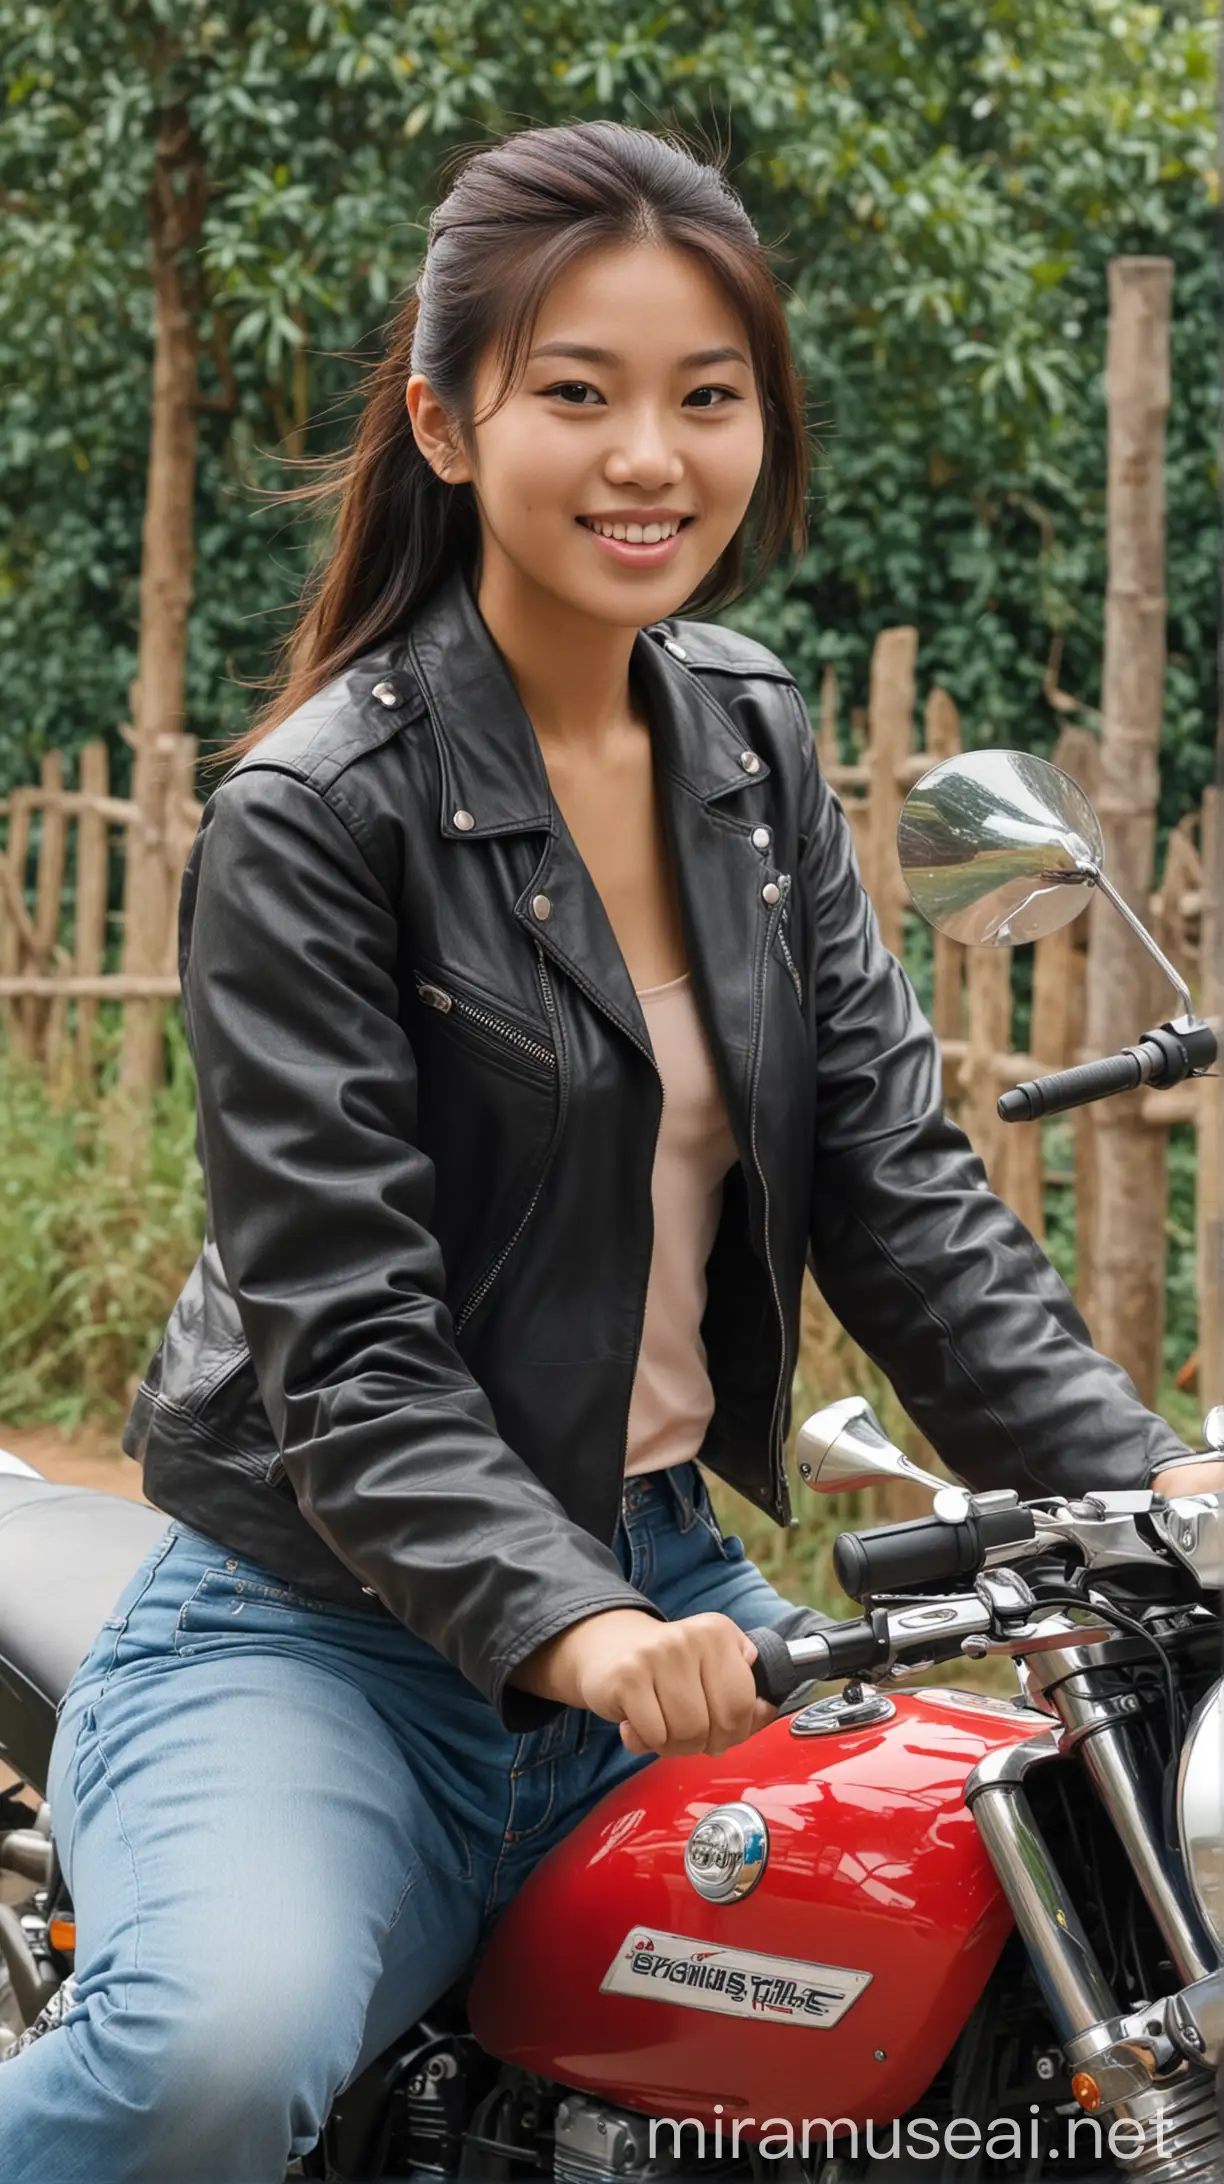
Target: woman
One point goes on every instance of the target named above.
(542, 1031)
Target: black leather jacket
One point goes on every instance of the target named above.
(399, 1374)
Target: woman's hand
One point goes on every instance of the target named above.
(675, 1688)
(1204, 1478)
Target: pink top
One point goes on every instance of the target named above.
(672, 1400)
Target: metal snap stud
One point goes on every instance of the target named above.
(540, 907)
(750, 762)
(770, 892)
(761, 837)
(386, 693)
(677, 651)
(464, 821)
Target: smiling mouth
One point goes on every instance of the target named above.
(636, 534)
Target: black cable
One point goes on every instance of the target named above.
(1130, 1623)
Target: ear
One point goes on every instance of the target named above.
(434, 433)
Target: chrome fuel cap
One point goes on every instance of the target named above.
(725, 1855)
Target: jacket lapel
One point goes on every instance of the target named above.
(494, 782)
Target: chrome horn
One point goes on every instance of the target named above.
(844, 1446)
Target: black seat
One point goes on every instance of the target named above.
(66, 1554)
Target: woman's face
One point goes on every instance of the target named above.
(637, 414)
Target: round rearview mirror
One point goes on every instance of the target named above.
(998, 847)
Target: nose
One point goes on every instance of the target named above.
(645, 453)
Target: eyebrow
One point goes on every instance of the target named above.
(697, 361)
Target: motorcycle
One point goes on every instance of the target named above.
(898, 1927)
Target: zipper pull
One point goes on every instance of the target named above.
(434, 997)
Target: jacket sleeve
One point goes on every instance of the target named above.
(936, 1278)
(320, 1204)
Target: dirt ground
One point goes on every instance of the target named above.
(92, 1457)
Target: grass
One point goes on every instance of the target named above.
(101, 1213)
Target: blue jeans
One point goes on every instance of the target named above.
(287, 1829)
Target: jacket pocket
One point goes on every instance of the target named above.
(476, 1021)
(491, 1108)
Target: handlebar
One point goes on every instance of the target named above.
(934, 1627)
(1162, 1057)
(925, 1550)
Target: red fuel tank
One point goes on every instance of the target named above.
(834, 1989)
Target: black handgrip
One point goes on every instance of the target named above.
(1164, 1056)
(908, 1557)
(773, 1671)
(845, 1649)
(1072, 1087)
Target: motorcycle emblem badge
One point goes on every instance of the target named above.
(725, 1855)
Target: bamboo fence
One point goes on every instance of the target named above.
(63, 864)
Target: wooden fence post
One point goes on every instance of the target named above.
(943, 740)
(988, 981)
(1209, 1225)
(16, 930)
(91, 898)
(1128, 1250)
(891, 715)
(47, 1019)
(1060, 966)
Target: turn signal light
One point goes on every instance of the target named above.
(61, 1933)
(1086, 2090)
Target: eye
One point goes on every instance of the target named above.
(720, 396)
(574, 392)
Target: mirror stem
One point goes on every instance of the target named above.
(1174, 977)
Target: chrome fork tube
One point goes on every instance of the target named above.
(1095, 1731)
(1076, 1991)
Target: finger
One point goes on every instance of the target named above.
(684, 1702)
(731, 1699)
(633, 1742)
(644, 1716)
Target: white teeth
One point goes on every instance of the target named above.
(635, 534)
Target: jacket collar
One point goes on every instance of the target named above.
(491, 765)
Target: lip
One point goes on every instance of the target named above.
(637, 557)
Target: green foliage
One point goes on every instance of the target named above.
(944, 183)
(101, 1214)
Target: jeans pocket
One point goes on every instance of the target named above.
(236, 1599)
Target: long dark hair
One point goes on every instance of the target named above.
(517, 215)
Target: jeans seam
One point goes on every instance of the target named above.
(641, 1558)
(405, 1892)
(119, 1625)
(126, 1840)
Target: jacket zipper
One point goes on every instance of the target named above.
(483, 1286)
(775, 1445)
(783, 943)
(447, 1004)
